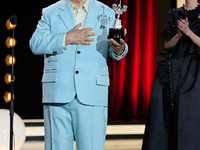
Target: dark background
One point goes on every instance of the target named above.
(29, 67)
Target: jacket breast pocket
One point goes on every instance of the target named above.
(49, 77)
(102, 80)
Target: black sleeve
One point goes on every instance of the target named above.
(168, 32)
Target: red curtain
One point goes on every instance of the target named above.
(132, 77)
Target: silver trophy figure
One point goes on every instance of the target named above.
(117, 32)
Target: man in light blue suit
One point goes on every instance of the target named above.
(72, 36)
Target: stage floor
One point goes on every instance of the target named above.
(119, 137)
(129, 144)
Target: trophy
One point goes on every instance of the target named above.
(117, 32)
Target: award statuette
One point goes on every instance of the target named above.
(117, 32)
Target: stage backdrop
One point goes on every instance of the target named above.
(132, 77)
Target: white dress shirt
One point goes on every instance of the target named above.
(80, 14)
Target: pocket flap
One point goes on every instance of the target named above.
(51, 66)
(52, 58)
(103, 80)
(49, 77)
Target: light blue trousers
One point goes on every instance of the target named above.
(86, 123)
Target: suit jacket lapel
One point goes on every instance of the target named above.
(67, 15)
(91, 19)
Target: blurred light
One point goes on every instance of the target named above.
(9, 42)
(7, 78)
(9, 26)
(8, 60)
(7, 97)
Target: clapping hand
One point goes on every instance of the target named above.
(183, 26)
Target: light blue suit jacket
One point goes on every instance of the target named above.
(68, 72)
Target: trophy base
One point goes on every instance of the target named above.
(116, 34)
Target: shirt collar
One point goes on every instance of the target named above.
(85, 6)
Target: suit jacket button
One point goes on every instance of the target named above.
(77, 72)
(78, 52)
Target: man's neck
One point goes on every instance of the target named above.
(78, 3)
(190, 4)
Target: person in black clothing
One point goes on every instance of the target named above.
(174, 110)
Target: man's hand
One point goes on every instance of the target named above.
(76, 36)
(117, 47)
